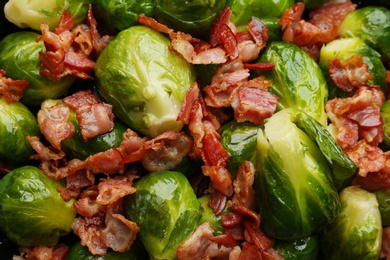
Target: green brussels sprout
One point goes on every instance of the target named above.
(295, 193)
(372, 25)
(30, 14)
(208, 215)
(296, 79)
(144, 81)
(117, 15)
(77, 147)
(383, 198)
(194, 17)
(19, 57)
(345, 48)
(167, 211)
(356, 233)
(302, 249)
(136, 252)
(16, 122)
(385, 113)
(269, 11)
(32, 211)
(239, 140)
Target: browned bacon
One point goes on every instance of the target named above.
(12, 90)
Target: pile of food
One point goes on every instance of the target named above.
(194, 129)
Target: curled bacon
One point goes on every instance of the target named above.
(11, 89)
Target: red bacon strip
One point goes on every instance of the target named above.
(12, 90)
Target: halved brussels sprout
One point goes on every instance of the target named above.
(194, 17)
(357, 231)
(77, 147)
(239, 140)
(19, 57)
(302, 249)
(345, 48)
(32, 211)
(269, 11)
(167, 211)
(30, 14)
(296, 79)
(16, 122)
(144, 81)
(295, 193)
(117, 15)
(372, 25)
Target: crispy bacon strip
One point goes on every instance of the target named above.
(349, 74)
(112, 189)
(244, 193)
(12, 90)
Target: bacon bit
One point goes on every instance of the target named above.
(244, 194)
(253, 104)
(110, 190)
(233, 225)
(88, 207)
(43, 152)
(323, 25)
(217, 201)
(12, 90)
(215, 30)
(260, 66)
(349, 74)
(152, 23)
(70, 51)
(90, 236)
(259, 32)
(53, 253)
(108, 162)
(221, 178)
(54, 125)
(93, 117)
(367, 157)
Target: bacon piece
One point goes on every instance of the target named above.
(259, 32)
(108, 162)
(44, 252)
(215, 31)
(112, 189)
(90, 236)
(88, 207)
(56, 170)
(265, 65)
(94, 118)
(244, 194)
(12, 90)
(43, 152)
(221, 178)
(152, 23)
(349, 74)
(253, 104)
(217, 201)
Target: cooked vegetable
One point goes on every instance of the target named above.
(209, 216)
(32, 211)
(143, 80)
(296, 79)
(301, 249)
(383, 198)
(16, 122)
(30, 14)
(117, 15)
(166, 210)
(372, 25)
(194, 17)
(19, 57)
(268, 11)
(357, 231)
(77, 147)
(239, 140)
(343, 49)
(136, 252)
(294, 188)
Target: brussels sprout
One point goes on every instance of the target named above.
(32, 211)
(239, 140)
(77, 147)
(19, 57)
(372, 25)
(136, 252)
(383, 198)
(194, 17)
(16, 122)
(209, 216)
(30, 14)
(296, 79)
(269, 11)
(302, 249)
(117, 15)
(294, 189)
(144, 81)
(357, 231)
(166, 210)
(385, 113)
(345, 48)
